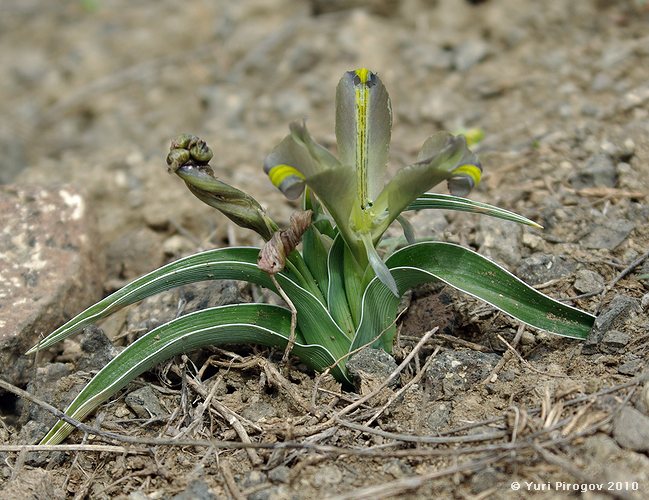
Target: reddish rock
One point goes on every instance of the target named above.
(51, 268)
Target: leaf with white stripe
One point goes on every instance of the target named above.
(223, 263)
(474, 274)
(450, 202)
(233, 324)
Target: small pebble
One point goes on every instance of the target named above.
(372, 363)
(631, 430)
(631, 367)
(145, 403)
(587, 281)
(609, 234)
(327, 475)
(599, 171)
(280, 474)
(614, 341)
(644, 302)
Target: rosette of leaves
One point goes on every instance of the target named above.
(343, 293)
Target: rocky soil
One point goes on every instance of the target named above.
(92, 92)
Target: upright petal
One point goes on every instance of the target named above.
(363, 127)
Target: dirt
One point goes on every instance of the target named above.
(93, 91)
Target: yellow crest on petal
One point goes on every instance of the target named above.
(474, 172)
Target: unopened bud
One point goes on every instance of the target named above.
(188, 158)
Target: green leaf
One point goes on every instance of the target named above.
(450, 202)
(336, 190)
(225, 263)
(233, 324)
(239, 207)
(471, 273)
(353, 279)
(315, 255)
(336, 297)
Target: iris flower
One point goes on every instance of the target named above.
(353, 186)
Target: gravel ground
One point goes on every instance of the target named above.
(92, 92)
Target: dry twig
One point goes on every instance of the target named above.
(230, 417)
(230, 483)
(503, 361)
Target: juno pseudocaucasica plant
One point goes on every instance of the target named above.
(342, 294)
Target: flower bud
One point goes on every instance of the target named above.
(188, 158)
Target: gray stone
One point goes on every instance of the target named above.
(603, 459)
(631, 367)
(134, 253)
(198, 489)
(327, 475)
(228, 102)
(616, 312)
(642, 399)
(291, 105)
(261, 410)
(200, 296)
(599, 171)
(608, 235)
(540, 268)
(614, 54)
(587, 281)
(623, 151)
(470, 53)
(253, 478)
(602, 81)
(454, 372)
(483, 480)
(437, 416)
(614, 341)
(97, 348)
(613, 315)
(635, 98)
(52, 383)
(372, 363)
(396, 468)
(644, 271)
(51, 268)
(280, 474)
(163, 307)
(631, 430)
(430, 56)
(501, 240)
(267, 493)
(32, 484)
(12, 160)
(145, 403)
